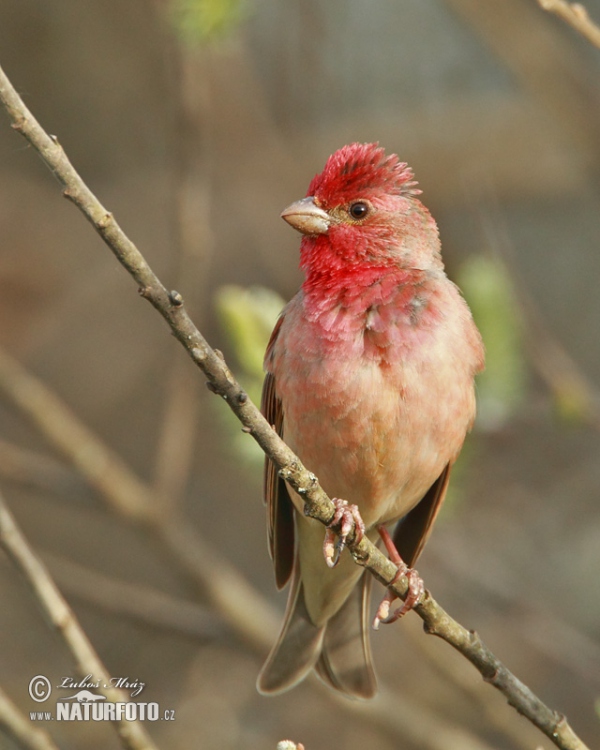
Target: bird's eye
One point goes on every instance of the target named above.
(358, 210)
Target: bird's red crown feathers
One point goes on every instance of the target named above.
(359, 169)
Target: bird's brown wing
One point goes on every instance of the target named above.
(280, 510)
(413, 531)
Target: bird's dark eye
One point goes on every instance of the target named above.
(358, 210)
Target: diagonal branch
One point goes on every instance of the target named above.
(128, 496)
(221, 381)
(132, 734)
(133, 601)
(16, 725)
(575, 15)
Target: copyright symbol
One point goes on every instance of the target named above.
(40, 688)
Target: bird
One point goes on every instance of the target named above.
(370, 380)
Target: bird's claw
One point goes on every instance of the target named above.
(416, 587)
(348, 518)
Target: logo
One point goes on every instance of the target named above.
(40, 688)
(87, 705)
(84, 696)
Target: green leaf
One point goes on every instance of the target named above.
(200, 21)
(248, 315)
(501, 388)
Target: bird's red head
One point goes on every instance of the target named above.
(361, 170)
(361, 214)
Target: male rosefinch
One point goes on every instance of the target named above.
(370, 381)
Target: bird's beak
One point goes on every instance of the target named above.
(307, 217)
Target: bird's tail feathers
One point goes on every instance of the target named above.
(339, 650)
(298, 647)
(345, 662)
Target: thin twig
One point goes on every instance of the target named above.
(418, 725)
(137, 602)
(103, 468)
(175, 448)
(567, 382)
(541, 628)
(554, 76)
(576, 15)
(132, 734)
(194, 245)
(33, 469)
(458, 673)
(131, 498)
(317, 504)
(20, 729)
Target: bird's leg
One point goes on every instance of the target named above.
(348, 517)
(416, 587)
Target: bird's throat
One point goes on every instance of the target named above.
(330, 268)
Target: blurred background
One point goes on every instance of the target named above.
(196, 122)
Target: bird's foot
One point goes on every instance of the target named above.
(416, 587)
(348, 517)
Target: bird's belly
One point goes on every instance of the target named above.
(375, 434)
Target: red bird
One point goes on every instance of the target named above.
(370, 381)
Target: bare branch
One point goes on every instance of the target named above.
(554, 75)
(175, 450)
(128, 496)
(460, 676)
(133, 601)
(194, 244)
(22, 465)
(416, 724)
(317, 504)
(576, 15)
(20, 729)
(567, 382)
(132, 734)
(102, 467)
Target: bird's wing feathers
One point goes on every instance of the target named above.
(413, 531)
(280, 510)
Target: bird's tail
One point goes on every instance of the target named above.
(339, 650)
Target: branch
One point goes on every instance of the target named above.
(575, 15)
(573, 392)
(128, 496)
(498, 716)
(221, 381)
(103, 468)
(135, 602)
(194, 246)
(34, 469)
(554, 76)
(19, 727)
(132, 734)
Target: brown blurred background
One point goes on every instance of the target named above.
(196, 123)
